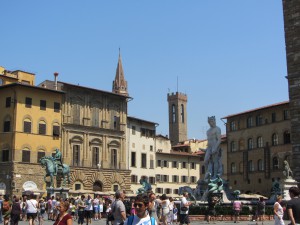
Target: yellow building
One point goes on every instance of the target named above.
(30, 122)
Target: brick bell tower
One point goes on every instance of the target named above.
(291, 13)
(177, 103)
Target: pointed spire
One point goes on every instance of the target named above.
(120, 84)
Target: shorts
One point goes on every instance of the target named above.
(96, 209)
(184, 218)
(237, 212)
(31, 215)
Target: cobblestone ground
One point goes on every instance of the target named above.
(103, 222)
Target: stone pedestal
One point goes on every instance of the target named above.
(286, 184)
(58, 192)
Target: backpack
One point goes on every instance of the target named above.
(130, 220)
(6, 206)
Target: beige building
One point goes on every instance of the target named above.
(258, 143)
(30, 123)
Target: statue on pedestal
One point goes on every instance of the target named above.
(288, 173)
(55, 167)
(145, 185)
(213, 152)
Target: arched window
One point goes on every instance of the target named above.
(233, 168)
(260, 142)
(182, 113)
(27, 125)
(286, 137)
(173, 114)
(260, 165)
(114, 156)
(275, 163)
(274, 139)
(26, 155)
(250, 143)
(42, 127)
(97, 186)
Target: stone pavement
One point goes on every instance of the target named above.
(103, 222)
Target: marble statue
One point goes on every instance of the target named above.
(146, 186)
(288, 173)
(213, 152)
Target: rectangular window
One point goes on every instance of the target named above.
(157, 177)
(26, 156)
(168, 190)
(8, 102)
(133, 130)
(166, 163)
(144, 160)
(152, 180)
(174, 164)
(175, 179)
(43, 104)
(95, 156)
(133, 159)
(165, 178)
(5, 155)
(158, 163)
(193, 165)
(28, 102)
(286, 114)
(6, 126)
(273, 117)
(151, 148)
(259, 120)
(134, 179)
(183, 165)
(193, 179)
(56, 107)
(40, 155)
(114, 162)
(76, 155)
(77, 187)
(151, 164)
(56, 131)
(184, 179)
(233, 126)
(42, 128)
(27, 127)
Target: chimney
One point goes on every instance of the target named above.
(55, 80)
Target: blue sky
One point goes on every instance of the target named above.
(228, 56)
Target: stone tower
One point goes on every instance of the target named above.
(177, 103)
(120, 84)
(291, 11)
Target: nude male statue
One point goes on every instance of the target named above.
(213, 152)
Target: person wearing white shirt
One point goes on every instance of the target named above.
(184, 210)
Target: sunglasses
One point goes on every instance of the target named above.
(138, 204)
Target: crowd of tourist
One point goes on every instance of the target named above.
(143, 209)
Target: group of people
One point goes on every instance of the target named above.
(148, 209)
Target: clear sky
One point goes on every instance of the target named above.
(227, 56)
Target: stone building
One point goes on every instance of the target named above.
(258, 143)
(94, 124)
(291, 12)
(30, 123)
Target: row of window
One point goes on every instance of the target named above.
(175, 116)
(143, 160)
(26, 155)
(160, 178)
(175, 164)
(27, 127)
(260, 142)
(251, 165)
(144, 132)
(28, 104)
(166, 191)
(234, 125)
